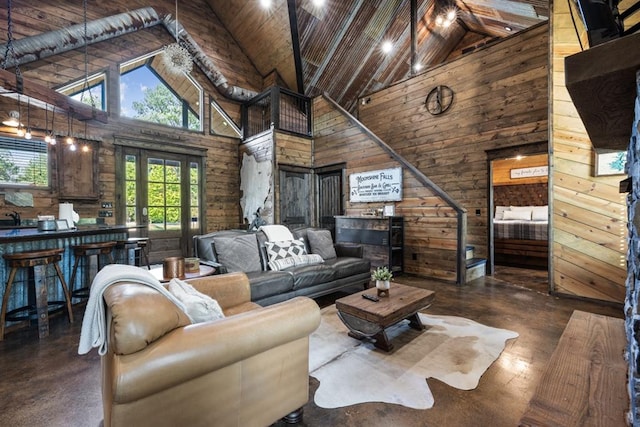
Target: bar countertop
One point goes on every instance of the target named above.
(29, 234)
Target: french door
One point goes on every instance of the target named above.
(162, 192)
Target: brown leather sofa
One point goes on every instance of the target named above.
(249, 369)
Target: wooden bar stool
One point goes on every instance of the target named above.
(141, 250)
(38, 261)
(126, 252)
(85, 252)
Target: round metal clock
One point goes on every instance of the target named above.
(439, 100)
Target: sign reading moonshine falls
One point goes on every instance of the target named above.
(376, 186)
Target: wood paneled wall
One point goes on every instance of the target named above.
(500, 100)
(502, 170)
(33, 17)
(430, 225)
(589, 215)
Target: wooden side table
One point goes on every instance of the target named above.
(369, 319)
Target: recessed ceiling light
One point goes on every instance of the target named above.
(387, 47)
(417, 67)
(266, 4)
(508, 28)
(318, 3)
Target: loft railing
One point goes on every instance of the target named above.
(279, 108)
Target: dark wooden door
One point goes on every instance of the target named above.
(295, 199)
(329, 198)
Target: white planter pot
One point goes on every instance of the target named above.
(382, 284)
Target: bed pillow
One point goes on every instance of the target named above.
(517, 215)
(500, 212)
(540, 213)
(520, 208)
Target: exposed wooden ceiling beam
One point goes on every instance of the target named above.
(41, 96)
(295, 41)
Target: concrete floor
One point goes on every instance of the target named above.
(46, 383)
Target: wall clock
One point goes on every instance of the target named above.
(439, 99)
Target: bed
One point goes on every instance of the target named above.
(520, 236)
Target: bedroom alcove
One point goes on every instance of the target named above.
(518, 219)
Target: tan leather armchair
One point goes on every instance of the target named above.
(249, 369)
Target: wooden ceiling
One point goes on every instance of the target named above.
(336, 48)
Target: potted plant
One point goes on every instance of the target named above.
(382, 276)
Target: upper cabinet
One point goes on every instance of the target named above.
(78, 171)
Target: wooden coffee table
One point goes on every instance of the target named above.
(369, 319)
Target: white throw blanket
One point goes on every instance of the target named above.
(276, 233)
(94, 332)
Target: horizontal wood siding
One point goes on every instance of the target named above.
(500, 100)
(430, 225)
(293, 150)
(589, 214)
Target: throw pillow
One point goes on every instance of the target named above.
(284, 249)
(238, 253)
(282, 263)
(308, 259)
(321, 243)
(200, 307)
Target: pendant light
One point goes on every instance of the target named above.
(176, 57)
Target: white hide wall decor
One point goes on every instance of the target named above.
(255, 183)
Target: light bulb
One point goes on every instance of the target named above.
(20, 131)
(451, 15)
(53, 140)
(85, 148)
(69, 140)
(27, 135)
(47, 139)
(439, 20)
(72, 147)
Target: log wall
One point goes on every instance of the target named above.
(589, 214)
(33, 17)
(430, 226)
(500, 100)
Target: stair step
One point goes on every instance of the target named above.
(473, 262)
(476, 267)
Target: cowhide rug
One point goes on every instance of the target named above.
(454, 350)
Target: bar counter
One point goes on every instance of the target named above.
(27, 239)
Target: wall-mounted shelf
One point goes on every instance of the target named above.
(601, 82)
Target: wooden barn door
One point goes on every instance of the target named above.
(329, 198)
(296, 204)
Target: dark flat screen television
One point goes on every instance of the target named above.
(601, 20)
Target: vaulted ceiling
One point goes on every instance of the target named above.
(336, 48)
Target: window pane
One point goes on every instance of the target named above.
(221, 124)
(149, 92)
(24, 162)
(91, 91)
(173, 219)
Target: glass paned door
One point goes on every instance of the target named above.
(162, 191)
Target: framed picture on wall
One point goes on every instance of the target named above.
(609, 162)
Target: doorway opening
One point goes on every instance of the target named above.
(518, 215)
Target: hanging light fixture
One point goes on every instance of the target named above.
(20, 131)
(12, 120)
(27, 134)
(70, 140)
(177, 57)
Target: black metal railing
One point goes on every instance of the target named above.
(279, 108)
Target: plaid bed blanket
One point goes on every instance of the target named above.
(520, 230)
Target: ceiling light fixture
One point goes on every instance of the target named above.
(447, 18)
(387, 47)
(176, 57)
(318, 3)
(27, 134)
(266, 4)
(417, 67)
(508, 28)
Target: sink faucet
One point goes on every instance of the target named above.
(15, 216)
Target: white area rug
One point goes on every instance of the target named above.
(455, 350)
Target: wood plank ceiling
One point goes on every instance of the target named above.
(337, 45)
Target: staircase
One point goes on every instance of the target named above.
(476, 267)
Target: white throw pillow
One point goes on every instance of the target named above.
(517, 215)
(200, 307)
(540, 213)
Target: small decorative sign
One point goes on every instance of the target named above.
(530, 172)
(376, 186)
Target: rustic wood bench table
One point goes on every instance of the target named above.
(366, 318)
(585, 383)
